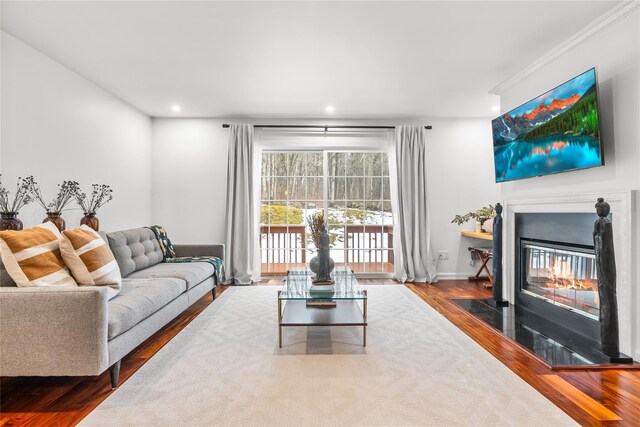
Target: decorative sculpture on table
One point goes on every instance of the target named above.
(606, 271)
(317, 227)
(497, 257)
(325, 263)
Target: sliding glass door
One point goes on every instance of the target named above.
(352, 188)
(359, 210)
(292, 188)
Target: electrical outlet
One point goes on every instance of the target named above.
(443, 255)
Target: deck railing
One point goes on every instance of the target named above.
(282, 244)
(366, 243)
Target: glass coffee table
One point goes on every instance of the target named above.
(299, 304)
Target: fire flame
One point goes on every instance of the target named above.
(561, 276)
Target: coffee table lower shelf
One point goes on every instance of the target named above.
(345, 313)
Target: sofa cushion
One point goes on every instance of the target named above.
(90, 260)
(193, 273)
(134, 249)
(32, 257)
(139, 299)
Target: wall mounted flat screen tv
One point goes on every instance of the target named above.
(556, 132)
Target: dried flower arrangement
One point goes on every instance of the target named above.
(101, 194)
(316, 221)
(22, 197)
(66, 192)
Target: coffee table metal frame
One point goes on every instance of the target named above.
(347, 311)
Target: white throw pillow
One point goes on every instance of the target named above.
(32, 257)
(90, 259)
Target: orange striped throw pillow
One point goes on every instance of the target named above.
(32, 257)
(91, 261)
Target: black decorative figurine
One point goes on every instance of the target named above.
(497, 257)
(606, 270)
(325, 261)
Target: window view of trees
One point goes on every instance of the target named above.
(292, 188)
(357, 206)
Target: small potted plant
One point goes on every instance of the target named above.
(66, 192)
(101, 194)
(481, 216)
(9, 209)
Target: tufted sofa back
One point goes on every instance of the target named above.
(135, 249)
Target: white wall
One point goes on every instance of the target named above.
(189, 179)
(460, 179)
(56, 125)
(615, 52)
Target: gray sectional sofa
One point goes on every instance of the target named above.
(58, 331)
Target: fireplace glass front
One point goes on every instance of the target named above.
(561, 276)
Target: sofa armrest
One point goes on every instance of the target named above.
(51, 331)
(199, 250)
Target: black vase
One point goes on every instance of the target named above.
(314, 264)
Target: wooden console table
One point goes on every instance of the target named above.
(476, 235)
(485, 254)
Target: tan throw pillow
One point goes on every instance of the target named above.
(91, 261)
(32, 257)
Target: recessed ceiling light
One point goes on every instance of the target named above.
(495, 108)
(175, 108)
(330, 109)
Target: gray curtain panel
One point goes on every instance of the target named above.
(415, 262)
(240, 217)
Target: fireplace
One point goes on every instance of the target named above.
(562, 275)
(555, 270)
(569, 219)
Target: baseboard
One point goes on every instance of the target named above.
(454, 276)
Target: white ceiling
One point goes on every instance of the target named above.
(290, 59)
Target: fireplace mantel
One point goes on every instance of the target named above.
(622, 219)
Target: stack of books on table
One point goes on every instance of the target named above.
(321, 295)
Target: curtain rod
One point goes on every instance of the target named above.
(226, 125)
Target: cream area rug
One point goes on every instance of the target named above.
(418, 369)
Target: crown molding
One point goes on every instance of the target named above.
(612, 16)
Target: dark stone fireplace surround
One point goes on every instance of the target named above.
(567, 229)
(563, 219)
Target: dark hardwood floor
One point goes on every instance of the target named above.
(591, 397)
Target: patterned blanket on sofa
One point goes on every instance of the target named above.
(170, 254)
